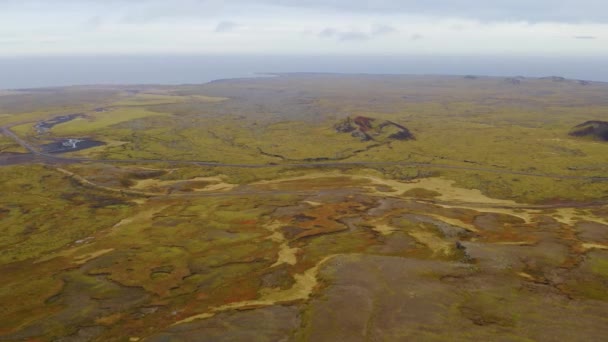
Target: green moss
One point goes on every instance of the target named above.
(185, 253)
(600, 267)
(97, 122)
(48, 211)
(590, 289)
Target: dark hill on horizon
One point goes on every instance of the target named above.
(593, 128)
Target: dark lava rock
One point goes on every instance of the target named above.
(364, 123)
(345, 126)
(596, 129)
(366, 129)
(44, 126)
(361, 136)
(402, 135)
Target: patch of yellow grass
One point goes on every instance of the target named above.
(97, 121)
(384, 229)
(455, 222)
(218, 184)
(433, 242)
(588, 246)
(445, 187)
(287, 255)
(83, 259)
(142, 216)
(303, 287)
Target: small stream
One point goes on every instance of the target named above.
(44, 126)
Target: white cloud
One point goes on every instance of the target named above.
(86, 27)
(225, 26)
(379, 30)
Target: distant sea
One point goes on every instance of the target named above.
(31, 72)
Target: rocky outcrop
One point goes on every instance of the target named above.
(366, 129)
(345, 126)
(594, 128)
(361, 136)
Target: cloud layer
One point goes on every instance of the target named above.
(357, 35)
(495, 10)
(381, 27)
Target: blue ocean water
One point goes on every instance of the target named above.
(30, 72)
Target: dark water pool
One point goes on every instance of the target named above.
(43, 126)
(70, 145)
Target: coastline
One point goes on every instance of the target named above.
(51, 72)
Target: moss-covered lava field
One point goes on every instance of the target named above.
(306, 207)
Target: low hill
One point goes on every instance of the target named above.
(596, 129)
(367, 129)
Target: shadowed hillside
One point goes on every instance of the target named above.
(596, 129)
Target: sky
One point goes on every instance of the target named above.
(304, 27)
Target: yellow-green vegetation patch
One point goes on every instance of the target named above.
(143, 99)
(421, 193)
(529, 189)
(95, 122)
(150, 99)
(592, 276)
(8, 145)
(24, 129)
(86, 253)
(295, 140)
(599, 266)
(44, 210)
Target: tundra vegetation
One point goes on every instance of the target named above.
(306, 207)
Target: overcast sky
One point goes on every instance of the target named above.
(304, 27)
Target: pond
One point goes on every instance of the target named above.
(70, 145)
